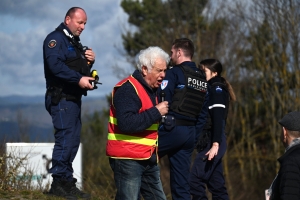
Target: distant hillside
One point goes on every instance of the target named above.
(17, 99)
(27, 114)
(10, 132)
(22, 100)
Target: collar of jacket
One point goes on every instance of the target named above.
(215, 79)
(289, 151)
(68, 33)
(187, 63)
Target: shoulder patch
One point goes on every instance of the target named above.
(52, 44)
(218, 89)
(164, 84)
(71, 48)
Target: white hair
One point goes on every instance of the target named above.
(147, 57)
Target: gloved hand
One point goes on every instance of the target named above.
(203, 141)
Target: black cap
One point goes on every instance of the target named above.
(291, 121)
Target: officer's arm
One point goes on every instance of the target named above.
(218, 112)
(55, 52)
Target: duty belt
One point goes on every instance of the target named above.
(68, 97)
(181, 122)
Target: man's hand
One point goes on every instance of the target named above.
(85, 83)
(90, 55)
(163, 107)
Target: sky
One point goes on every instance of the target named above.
(24, 26)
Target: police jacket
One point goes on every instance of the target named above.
(175, 80)
(133, 123)
(64, 62)
(287, 184)
(217, 107)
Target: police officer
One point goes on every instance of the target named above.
(184, 87)
(67, 67)
(207, 168)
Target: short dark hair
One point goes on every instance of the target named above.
(72, 10)
(186, 45)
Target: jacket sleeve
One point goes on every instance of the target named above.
(127, 105)
(290, 179)
(217, 110)
(55, 55)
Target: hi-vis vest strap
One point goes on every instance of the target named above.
(137, 146)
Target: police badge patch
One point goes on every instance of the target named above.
(52, 44)
(218, 89)
(164, 84)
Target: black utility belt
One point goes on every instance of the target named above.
(181, 122)
(170, 119)
(57, 95)
(170, 122)
(70, 97)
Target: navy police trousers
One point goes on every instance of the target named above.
(209, 173)
(178, 144)
(66, 119)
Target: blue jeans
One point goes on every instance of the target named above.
(66, 119)
(135, 177)
(209, 173)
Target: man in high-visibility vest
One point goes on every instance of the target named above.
(133, 128)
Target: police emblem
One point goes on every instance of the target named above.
(164, 84)
(52, 44)
(218, 89)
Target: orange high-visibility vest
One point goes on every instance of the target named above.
(137, 146)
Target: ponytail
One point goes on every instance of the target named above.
(230, 90)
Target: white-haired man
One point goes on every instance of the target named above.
(133, 128)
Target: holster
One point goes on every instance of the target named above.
(170, 122)
(203, 141)
(55, 93)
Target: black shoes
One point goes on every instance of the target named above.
(73, 190)
(67, 189)
(57, 189)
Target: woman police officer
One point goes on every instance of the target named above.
(207, 168)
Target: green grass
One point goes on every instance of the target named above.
(26, 194)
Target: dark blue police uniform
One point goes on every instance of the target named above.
(64, 66)
(205, 172)
(177, 136)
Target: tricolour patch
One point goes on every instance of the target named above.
(218, 89)
(52, 44)
(164, 84)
